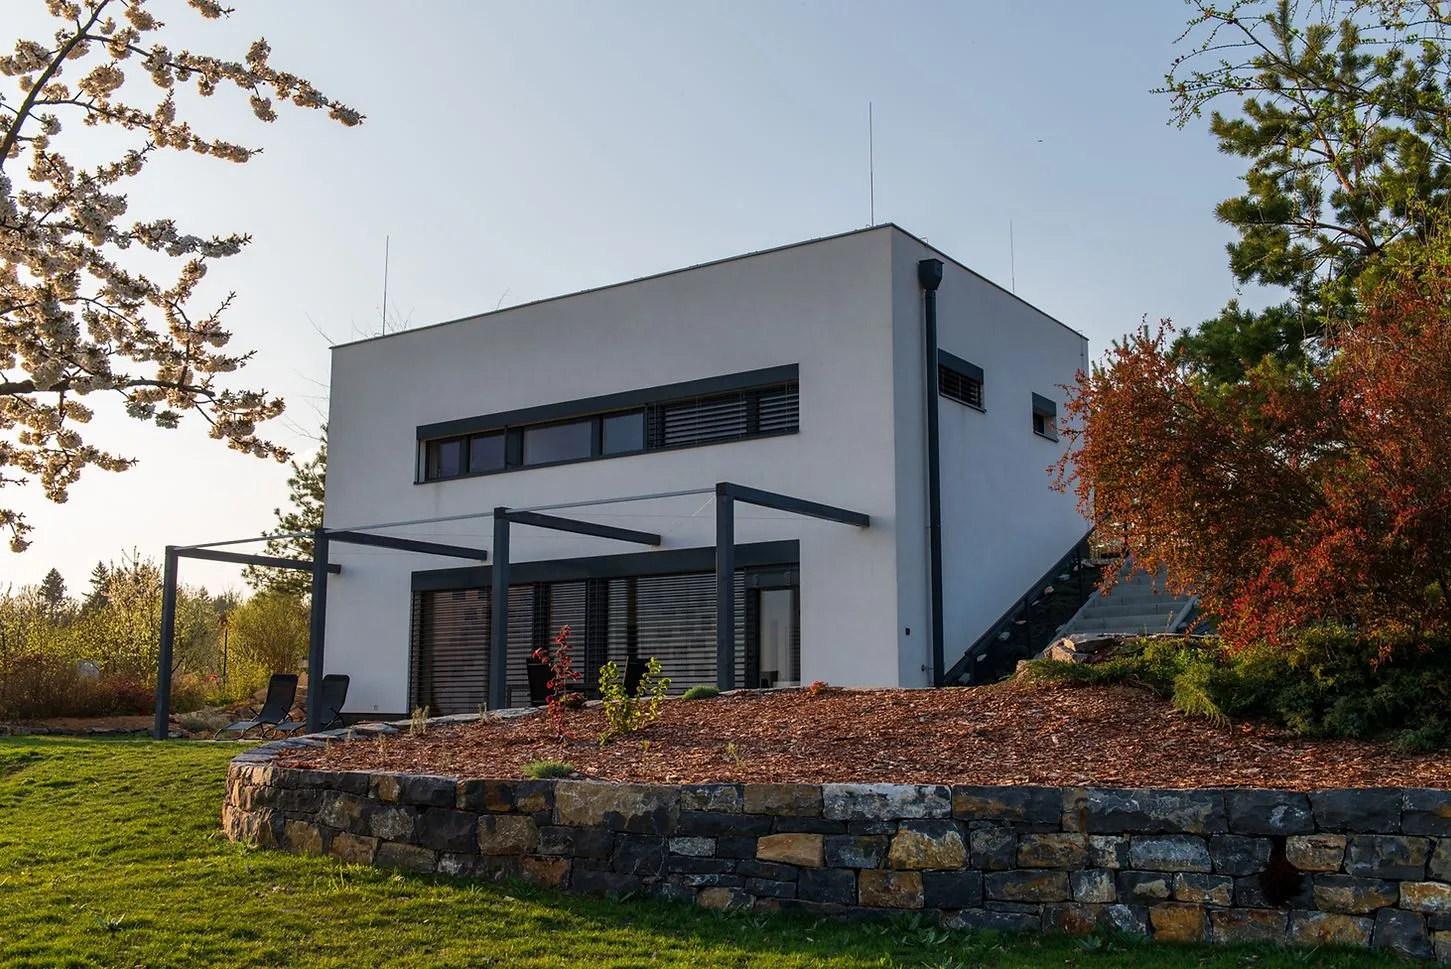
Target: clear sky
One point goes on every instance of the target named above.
(514, 151)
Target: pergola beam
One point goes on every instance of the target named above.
(408, 545)
(582, 528)
(242, 558)
(796, 506)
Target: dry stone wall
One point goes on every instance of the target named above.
(1367, 867)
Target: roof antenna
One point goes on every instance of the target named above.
(871, 169)
(1012, 258)
(386, 241)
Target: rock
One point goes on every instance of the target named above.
(1087, 647)
(765, 888)
(1026, 808)
(1071, 918)
(448, 830)
(1235, 854)
(347, 812)
(1153, 812)
(1131, 919)
(639, 854)
(1052, 851)
(1353, 896)
(723, 899)
(548, 872)
(1387, 856)
(711, 824)
(1026, 886)
(393, 823)
(788, 800)
(885, 802)
(1173, 922)
(575, 842)
(694, 847)
(829, 885)
(952, 889)
(407, 857)
(1247, 925)
(1170, 853)
(849, 851)
(636, 808)
(1439, 866)
(508, 834)
(302, 838)
(1376, 809)
(1093, 885)
(715, 798)
(1145, 886)
(1203, 889)
(592, 882)
(1326, 928)
(1441, 942)
(881, 888)
(1316, 852)
(788, 825)
(767, 869)
(1108, 851)
(1402, 932)
(792, 849)
(735, 846)
(981, 920)
(993, 848)
(426, 790)
(1268, 812)
(524, 797)
(353, 849)
(927, 844)
(1428, 898)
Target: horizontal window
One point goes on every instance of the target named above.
(1045, 417)
(670, 420)
(958, 386)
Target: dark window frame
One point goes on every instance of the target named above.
(951, 370)
(652, 402)
(1046, 411)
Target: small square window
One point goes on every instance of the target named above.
(486, 452)
(444, 459)
(1045, 417)
(623, 433)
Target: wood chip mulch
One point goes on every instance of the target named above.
(1012, 733)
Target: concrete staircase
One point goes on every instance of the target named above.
(1138, 605)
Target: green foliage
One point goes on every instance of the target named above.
(701, 691)
(126, 831)
(1342, 117)
(305, 486)
(624, 714)
(1331, 682)
(542, 770)
(269, 632)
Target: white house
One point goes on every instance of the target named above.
(801, 371)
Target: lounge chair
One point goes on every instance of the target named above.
(539, 676)
(332, 693)
(281, 690)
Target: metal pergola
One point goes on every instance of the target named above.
(726, 495)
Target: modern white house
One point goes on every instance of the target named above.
(864, 375)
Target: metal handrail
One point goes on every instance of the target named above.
(980, 645)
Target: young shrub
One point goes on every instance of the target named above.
(624, 714)
(418, 722)
(560, 659)
(541, 770)
(701, 691)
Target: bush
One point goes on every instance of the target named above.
(36, 686)
(1328, 682)
(270, 631)
(625, 714)
(544, 769)
(701, 691)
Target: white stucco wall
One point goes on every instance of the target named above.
(826, 306)
(1002, 524)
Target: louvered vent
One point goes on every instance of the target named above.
(959, 387)
(780, 410)
(725, 417)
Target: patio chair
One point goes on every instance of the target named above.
(281, 690)
(332, 693)
(539, 677)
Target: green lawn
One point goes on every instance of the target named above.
(110, 855)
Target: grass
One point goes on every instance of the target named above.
(110, 856)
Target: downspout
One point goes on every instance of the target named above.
(929, 275)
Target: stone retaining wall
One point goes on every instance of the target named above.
(1356, 867)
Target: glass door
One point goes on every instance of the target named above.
(773, 625)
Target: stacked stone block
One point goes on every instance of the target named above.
(1369, 867)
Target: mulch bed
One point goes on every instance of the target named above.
(1013, 733)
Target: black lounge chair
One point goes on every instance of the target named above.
(331, 695)
(539, 676)
(281, 690)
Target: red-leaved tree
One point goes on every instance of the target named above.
(1294, 496)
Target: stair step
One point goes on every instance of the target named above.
(1123, 624)
(1110, 609)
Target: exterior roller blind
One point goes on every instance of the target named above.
(451, 663)
(780, 410)
(674, 621)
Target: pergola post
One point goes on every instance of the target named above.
(725, 589)
(317, 630)
(162, 727)
(499, 617)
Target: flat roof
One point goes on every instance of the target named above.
(716, 262)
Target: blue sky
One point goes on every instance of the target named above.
(518, 151)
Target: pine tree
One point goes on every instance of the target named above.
(306, 487)
(1345, 121)
(98, 595)
(53, 593)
